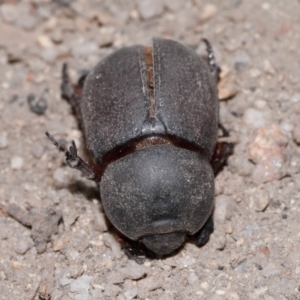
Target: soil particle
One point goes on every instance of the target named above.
(43, 223)
(268, 150)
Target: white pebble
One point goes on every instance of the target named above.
(256, 118)
(133, 271)
(265, 6)
(208, 11)
(49, 54)
(150, 8)
(44, 41)
(223, 209)
(130, 294)
(81, 285)
(185, 262)
(16, 162)
(220, 292)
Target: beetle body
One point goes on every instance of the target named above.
(150, 121)
(163, 191)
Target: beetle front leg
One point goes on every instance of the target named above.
(215, 69)
(73, 160)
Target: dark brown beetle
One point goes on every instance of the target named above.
(150, 122)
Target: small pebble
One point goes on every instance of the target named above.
(100, 223)
(8, 12)
(256, 118)
(268, 150)
(220, 292)
(60, 243)
(270, 270)
(49, 54)
(65, 279)
(16, 265)
(227, 87)
(112, 290)
(259, 199)
(130, 294)
(268, 68)
(204, 285)
(150, 8)
(16, 162)
(24, 243)
(239, 164)
(260, 104)
(262, 256)
(3, 140)
(240, 242)
(115, 277)
(121, 297)
(57, 36)
(208, 11)
(81, 286)
(110, 242)
(44, 41)
(241, 60)
(61, 176)
(133, 271)
(254, 73)
(75, 271)
(223, 209)
(185, 262)
(193, 279)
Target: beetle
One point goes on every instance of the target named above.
(150, 121)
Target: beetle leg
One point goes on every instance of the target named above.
(215, 69)
(73, 160)
(72, 92)
(133, 249)
(203, 234)
(134, 252)
(222, 151)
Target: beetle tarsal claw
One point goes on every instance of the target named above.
(73, 160)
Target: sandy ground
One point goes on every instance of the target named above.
(54, 242)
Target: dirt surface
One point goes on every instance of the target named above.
(54, 241)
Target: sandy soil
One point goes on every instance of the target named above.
(54, 242)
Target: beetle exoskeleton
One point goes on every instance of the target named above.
(150, 122)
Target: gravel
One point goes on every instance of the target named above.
(55, 241)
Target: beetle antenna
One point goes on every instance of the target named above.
(73, 160)
(215, 69)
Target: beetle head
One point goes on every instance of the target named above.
(158, 194)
